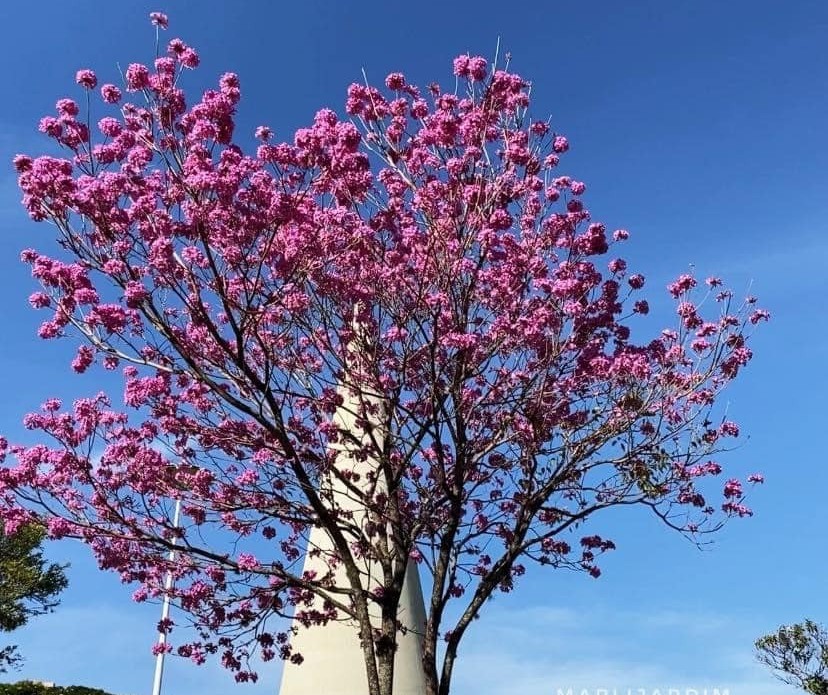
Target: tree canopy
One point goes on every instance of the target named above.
(402, 327)
(797, 654)
(29, 585)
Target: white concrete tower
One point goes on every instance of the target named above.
(333, 659)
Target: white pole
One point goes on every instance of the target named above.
(165, 608)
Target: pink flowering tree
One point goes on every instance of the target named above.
(418, 255)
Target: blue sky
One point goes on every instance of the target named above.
(699, 126)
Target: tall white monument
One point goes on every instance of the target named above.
(333, 659)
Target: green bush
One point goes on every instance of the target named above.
(34, 688)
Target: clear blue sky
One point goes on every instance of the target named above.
(700, 126)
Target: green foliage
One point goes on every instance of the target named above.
(33, 688)
(798, 655)
(28, 584)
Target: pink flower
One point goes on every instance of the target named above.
(189, 58)
(22, 162)
(135, 293)
(395, 81)
(52, 405)
(636, 281)
(735, 509)
(681, 285)
(620, 235)
(686, 309)
(49, 329)
(733, 488)
(137, 77)
(461, 66)
(246, 561)
(478, 68)
(229, 82)
(617, 265)
(83, 359)
(67, 107)
(419, 109)
(176, 47)
(756, 478)
(560, 144)
(86, 79)
(110, 94)
(700, 345)
(40, 300)
(165, 66)
(264, 133)
(58, 527)
(159, 19)
(111, 127)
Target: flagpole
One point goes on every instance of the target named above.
(165, 608)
